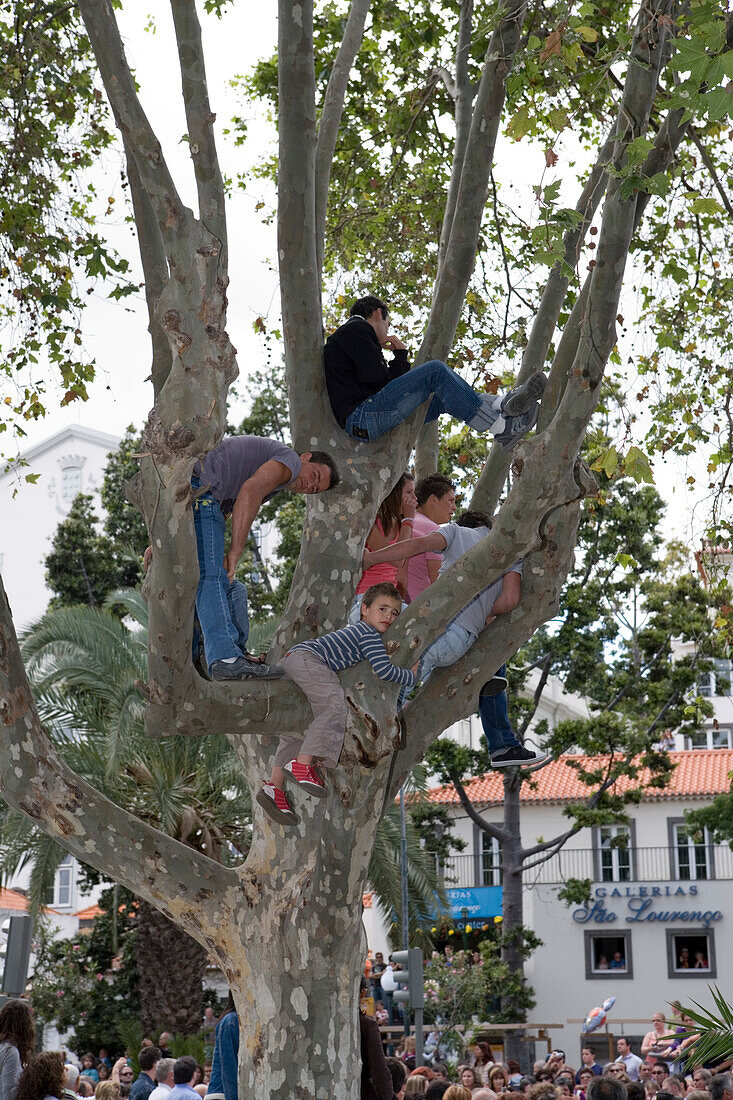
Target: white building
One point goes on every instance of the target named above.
(68, 463)
(655, 929)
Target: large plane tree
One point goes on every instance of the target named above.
(285, 926)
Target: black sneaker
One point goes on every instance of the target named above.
(517, 426)
(519, 757)
(244, 669)
(494, 686)
(521, 399)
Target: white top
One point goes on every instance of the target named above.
(10, 1071)
(459, 541)
(159, 1092)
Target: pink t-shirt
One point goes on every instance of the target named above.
(418, 577)
(378, 574)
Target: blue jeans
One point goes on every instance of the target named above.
(221, 604)
(398, 399)
(493, 710)
(494, 714)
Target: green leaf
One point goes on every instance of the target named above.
(706, 205)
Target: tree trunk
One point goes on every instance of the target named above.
(512, 907)
(171, 967)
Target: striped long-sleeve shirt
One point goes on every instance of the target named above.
(358, 642)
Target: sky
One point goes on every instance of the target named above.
(116, 333)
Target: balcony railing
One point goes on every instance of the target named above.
(665, 864)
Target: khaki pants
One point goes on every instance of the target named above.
(324, 737)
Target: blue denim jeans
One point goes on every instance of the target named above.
(398, 399)
(221, 604)
(494, 714)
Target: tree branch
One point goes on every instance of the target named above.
(155, 269)
(119, 84)
(541, 683)
(200, 122)
(300, 290)
(333, 106)
(487, 827)
(185, 885)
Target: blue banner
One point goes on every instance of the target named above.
(482, 903)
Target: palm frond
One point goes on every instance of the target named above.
(715, 1028)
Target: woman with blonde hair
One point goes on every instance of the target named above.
(416, 1085)
(17, 1039)
(107, 1090)
(456, 1092)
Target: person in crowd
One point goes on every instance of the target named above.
(437, 1089)
(85, 1087)
(564, 1084)
(662, 1094)
(482, 1094)
(618, 962)
(606, 1088)
(498, 1079)
(635, 1091)
(699, 1094)
(376, 1077)
(125, 1077)
(602, 963)
(17, 1039)
(380, 1014)
(440, 1070)
(71, 1080)
(147, 1059)
(467, 1077)
(721, 1087)
(103, 1058)
(164, 1079)
(583, 1079)
(630, 1060)
(313, 665)
(656, 1041)
(436, 503)
(514, 1070)
(650, 1088)
(542, 1090)
(370, 397)
(165, 1040)
(42, 1077)
(672, 1084)
(107, 1090)
(237, 478)
(588, 1061)
(393, 525)
(701, 1078)
(224, 1066)
(525, 1083)
(483, 1061)
(416, 1086)
(210, 1021)
(88, 1067)
(184, 1073)
(618, 1071)
(456, 1092)
(399, 1077)
(104, 1071)
(453, 540)
(378, 968)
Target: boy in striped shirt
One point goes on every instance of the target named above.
(313, 666)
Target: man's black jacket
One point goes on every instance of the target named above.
(355, 367)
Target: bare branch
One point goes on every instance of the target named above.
(300, 290)
(541, 683)
(119, 84)
(155, 269)
(487, 827)
(333, 106)
(200, 122)
(719, 185)
(549, 847)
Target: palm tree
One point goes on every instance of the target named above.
(715, 1030)
(86, 666)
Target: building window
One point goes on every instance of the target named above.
(691, 953)
(614, 844)
(61, 896)
(710, 738)
(608, 956)
(70, 483)
(692, 853)
(716, 681)
(490, 861)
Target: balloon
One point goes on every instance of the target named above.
(609, 1003)
(596, 1018)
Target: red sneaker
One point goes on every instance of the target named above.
(275, 803)
(307, 777)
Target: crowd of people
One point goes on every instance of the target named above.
(52, 1075)
(480, 1077)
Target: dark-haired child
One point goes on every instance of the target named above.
(313, 666)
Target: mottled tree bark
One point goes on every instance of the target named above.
(286, 925)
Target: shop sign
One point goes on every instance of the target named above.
(664, 904)
(481, 903)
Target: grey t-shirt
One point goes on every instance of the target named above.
(459, 541)
(228, 466)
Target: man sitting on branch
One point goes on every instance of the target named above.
(370, 397)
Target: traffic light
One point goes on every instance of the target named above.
(410, 976)
(16, 934)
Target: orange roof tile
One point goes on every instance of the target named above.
(699, 773)
(11, 899)
(89, 913)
